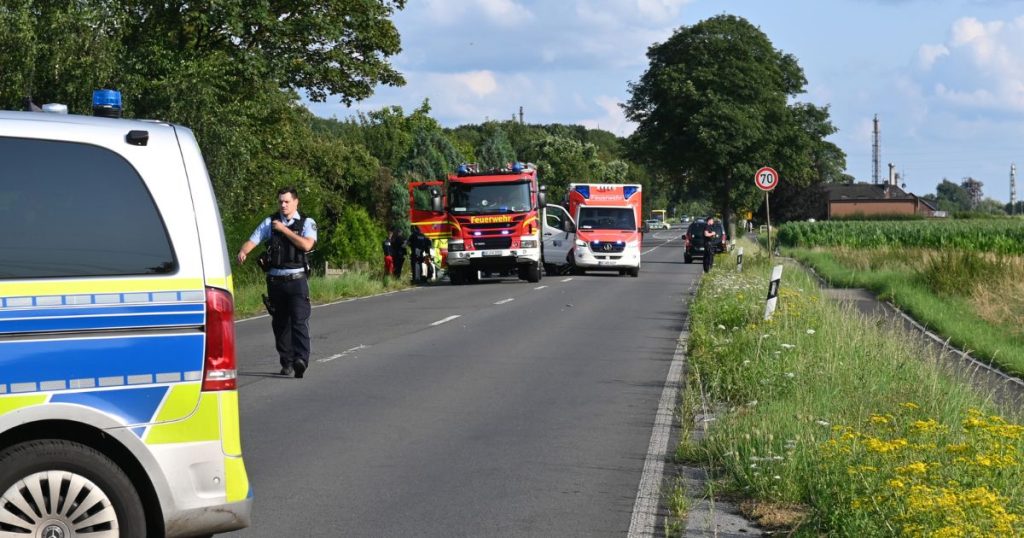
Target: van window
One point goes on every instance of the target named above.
(76, 210)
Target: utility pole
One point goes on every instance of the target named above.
(520, 114)
(875, 158)
(1013, 188)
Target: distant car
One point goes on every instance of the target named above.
(694, 242)
(655, 224)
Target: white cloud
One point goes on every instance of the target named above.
(460, 12)
(480, 83)
(927, 55)
(981, 66)
(614, 119)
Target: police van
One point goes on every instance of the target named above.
(118, 398)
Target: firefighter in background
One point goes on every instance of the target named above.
(397, 251)
(419, 245)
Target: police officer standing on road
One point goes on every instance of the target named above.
(289, 238)
(709, 244)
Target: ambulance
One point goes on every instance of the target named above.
(118, 396)
(600, 230)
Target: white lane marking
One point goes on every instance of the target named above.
(503, 301)
(342, 354)
(349, 300)
(445, 320)
(567, 279)
(648, 495)
(540, 287)
(656, 248)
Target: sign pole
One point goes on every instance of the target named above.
(766, 179)
(768, 215)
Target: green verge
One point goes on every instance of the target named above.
(948, 316)
(249, 295)
(848, 420)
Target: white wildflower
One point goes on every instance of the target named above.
(787, 346)
(721, 327)
(810, 331)
(777, 477)
(790, 375)
(823, 423)
(751, 403)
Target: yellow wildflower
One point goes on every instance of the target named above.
(918, 467)
(910, 405)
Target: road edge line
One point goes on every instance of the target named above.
(648, 495)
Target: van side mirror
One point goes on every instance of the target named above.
(570, 227)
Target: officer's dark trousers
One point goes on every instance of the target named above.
(290, 300)
(399, 261)
(709, 258)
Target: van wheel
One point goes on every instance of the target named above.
(530, 272)
(61, 488)
(687, 258)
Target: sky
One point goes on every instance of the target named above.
(945, 77)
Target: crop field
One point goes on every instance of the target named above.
(1000, 236)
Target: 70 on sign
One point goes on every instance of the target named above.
(766, 178)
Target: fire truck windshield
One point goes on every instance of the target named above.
(607, 218)
(485, 198)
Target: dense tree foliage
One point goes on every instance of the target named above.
(714, 105)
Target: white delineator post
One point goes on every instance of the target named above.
(773, 292)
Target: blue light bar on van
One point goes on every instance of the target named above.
(106, 103)
(629, 191)
(583, 190)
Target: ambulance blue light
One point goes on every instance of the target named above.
(463, 169)
(106, 103)
(629, 191)
(517, 167)
(584, 190)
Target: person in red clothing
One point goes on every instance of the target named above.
(389, 262)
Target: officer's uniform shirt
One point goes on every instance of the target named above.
(263, 231)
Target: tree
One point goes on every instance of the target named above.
(713, 106)
(973, 188)
(952, 197)
(496, 150)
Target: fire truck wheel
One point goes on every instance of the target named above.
(457, 276)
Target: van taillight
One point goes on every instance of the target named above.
(220, 370)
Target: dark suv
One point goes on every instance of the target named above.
(694, 242)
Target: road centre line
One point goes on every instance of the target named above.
(342, 354)
(540, 287)
(667, 241)
(567, 279)
(445, 320)
(503, 301)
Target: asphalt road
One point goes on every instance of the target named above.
(528, 414)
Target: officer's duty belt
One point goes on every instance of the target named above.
(285, 278)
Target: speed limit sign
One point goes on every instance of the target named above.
(766, 178)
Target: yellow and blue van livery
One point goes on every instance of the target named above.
(118, 398)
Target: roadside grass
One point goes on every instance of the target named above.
(972, 299)
(832, 424)
(249, 295)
